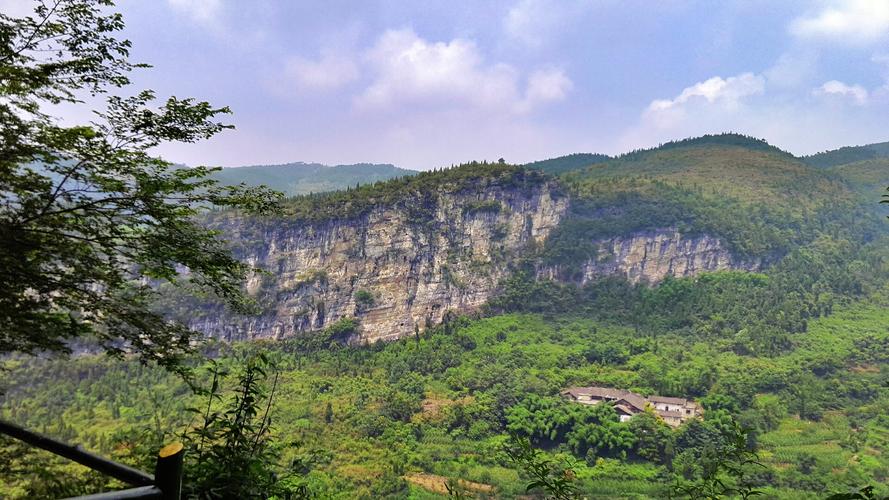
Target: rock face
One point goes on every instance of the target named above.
(651, 256)
(391, 273)
(398, 268)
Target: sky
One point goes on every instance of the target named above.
(426, 84)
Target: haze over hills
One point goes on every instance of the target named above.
(298, 178)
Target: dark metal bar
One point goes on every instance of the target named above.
(143, 492)
(118, 471)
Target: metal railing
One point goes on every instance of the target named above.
(166, 483)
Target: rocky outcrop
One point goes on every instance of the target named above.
(651, 256)
(394, 274)
(399, 267)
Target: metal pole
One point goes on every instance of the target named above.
(122, 472)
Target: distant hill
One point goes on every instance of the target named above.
(299, 178)
(848, 154)
(759, 200)
(868, 178)
(727, 165)
(562, 164)
(725, 139)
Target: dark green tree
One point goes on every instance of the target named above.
(555, 479)
(230, 452)
(90, 221)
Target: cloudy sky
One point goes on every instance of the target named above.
(423, 84)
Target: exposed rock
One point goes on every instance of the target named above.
(399, 269)
(394, 275)
(651, 256)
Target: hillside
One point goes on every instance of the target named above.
(303, 178)
(751, 172)
(848, 154)
(758, 202)
(869, 178)
(562, 164)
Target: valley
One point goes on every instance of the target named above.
(717, 269)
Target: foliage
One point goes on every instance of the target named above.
(483, 206)
(364, 298)
(725, 139)
(866, 493)
(557, 480)
(719, 468)
(848, 154)
(89, 218)
(562, 164)
(231, 445)
(294, 179)
(442, 404)
(417, 194)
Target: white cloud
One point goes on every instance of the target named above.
(716, 90)
(792, 69)
(330, 71)
(202, 11)
(533, 22)
(837, 88)
(546, 85)
(410, 70)
(17, 8)
(753, 104)
(846, 21)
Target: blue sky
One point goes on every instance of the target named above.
(423, 84)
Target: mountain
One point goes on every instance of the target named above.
(398, 256)
(562, 164)
(868, 178)
(848, 154)
(718, 269)
(298, 178)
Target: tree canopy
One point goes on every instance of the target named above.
(90, 219)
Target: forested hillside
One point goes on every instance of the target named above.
(562, 164)
(299, 178)
(848, 154)
(719, 269)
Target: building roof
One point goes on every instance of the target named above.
(634, 400)
(630, 402)
(597, 392)
(668, 400)
(624, 409)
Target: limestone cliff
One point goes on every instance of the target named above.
(397, 257)
(395, 275)
(651, 256)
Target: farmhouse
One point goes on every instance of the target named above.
(674, 411)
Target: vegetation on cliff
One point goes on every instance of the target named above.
(562, 164)
(294, 179)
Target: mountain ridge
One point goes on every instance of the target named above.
(298, 178)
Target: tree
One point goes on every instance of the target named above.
(716, 468)
(555, 479)
(885, 198)
(90, 221)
